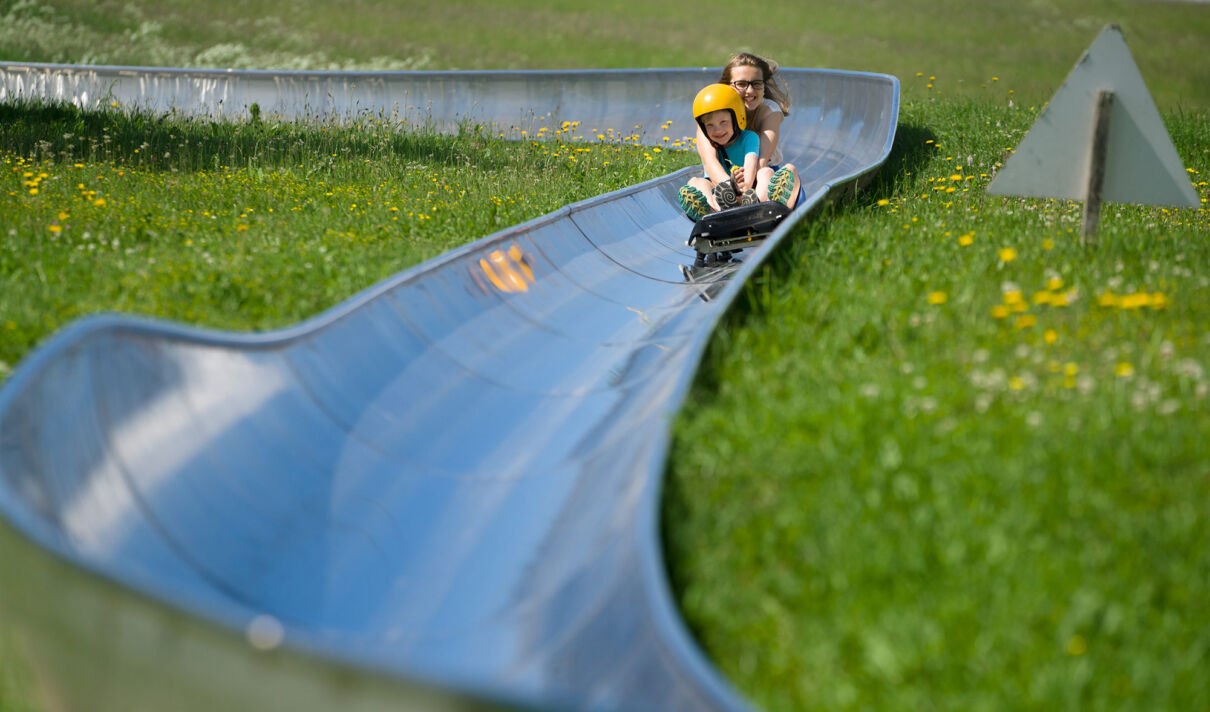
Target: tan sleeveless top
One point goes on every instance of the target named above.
(757, 118)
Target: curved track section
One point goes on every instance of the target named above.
(441, 494)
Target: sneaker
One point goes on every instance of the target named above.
(693, 202)
(724, 195)
(749, 198)
(780, 185)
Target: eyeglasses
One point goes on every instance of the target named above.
(742, 85)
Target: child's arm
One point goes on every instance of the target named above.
(713, 167)
(749, 175)
(750, 145)
(770, 132)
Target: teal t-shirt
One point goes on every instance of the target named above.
(734, 154)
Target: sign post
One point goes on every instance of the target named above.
(1100, 139)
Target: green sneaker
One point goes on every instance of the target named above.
(693, 202)
(781, 185)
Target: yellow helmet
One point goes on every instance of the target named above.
(721, 96)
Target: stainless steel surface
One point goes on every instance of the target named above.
(445, 488)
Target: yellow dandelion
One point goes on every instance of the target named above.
(1007, 254)
(1025, 321)
(99, 202)
(1077, 645)
(1000, 311)
(1016, 383)
(937, 297)
(883, 202)
(1054, 284)
(1124, 370)
(1050, 336)
(1135, 301)
(55, 229)
(967, 239)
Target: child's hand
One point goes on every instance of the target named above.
(737, 175)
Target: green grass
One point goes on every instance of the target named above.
(943, 457)
(255, 225)
(16, 680)
(917, 471)
(1032, 45)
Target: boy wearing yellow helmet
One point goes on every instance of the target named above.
(719, 111)
(768, 102)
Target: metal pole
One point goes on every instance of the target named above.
(1096, 165)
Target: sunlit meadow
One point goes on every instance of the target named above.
(941, 456)
(257, 225)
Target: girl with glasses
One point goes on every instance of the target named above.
(767, 103)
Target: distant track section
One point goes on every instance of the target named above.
(442, 493)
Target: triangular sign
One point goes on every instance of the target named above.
(1141, 164)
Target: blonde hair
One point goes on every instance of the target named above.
(775, 89)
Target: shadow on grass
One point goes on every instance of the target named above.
(909, 154)
(66, 133)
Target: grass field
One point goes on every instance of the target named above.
(1030, 45)
(964, 464)
(257, 226)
